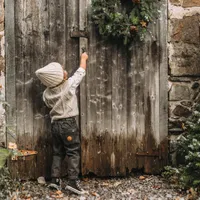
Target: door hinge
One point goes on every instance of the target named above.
(79, 33)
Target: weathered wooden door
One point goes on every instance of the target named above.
(124, 103)
(123, 98)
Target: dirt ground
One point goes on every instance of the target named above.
(135, 187)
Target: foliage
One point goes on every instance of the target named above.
(127, 20)
(188, 147)
(8, 186)
(4, 154)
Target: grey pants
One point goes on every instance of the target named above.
(66, 142)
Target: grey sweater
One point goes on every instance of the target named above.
(62, 99)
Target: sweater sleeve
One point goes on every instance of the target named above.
(45, 100)
(76, 79)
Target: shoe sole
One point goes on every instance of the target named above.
(74, 190)
(54, 186)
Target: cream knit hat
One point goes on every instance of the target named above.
(50, 75)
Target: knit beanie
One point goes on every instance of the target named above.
(50, 75)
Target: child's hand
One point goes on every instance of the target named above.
(83, 62)
(84, 56)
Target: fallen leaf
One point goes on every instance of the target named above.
(94, 194)
(85, 179)
(105, 184)
(157, 186)
(183, 126)
(14, 198)
(142, 178)
(58, 194)
(133, 28)
(116, 184)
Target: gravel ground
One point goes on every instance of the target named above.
(132, 188)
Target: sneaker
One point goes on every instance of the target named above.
(75, 187)
(55, 184)
(56, 181)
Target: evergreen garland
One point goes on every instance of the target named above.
(123, 19)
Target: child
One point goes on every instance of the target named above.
(60, 97)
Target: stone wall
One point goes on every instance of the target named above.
(184, 63)
(2, 77)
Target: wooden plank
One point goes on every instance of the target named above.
(16, 167)
(88, 133)
(83, 43)
(163, 83)
(71, 44)
(26, 137)
(135, 106)
(39, 58)
(10, 71)
(24, 169)
(99, 137)
(151, 138)
(57, 31)
(107, 154)
(131, 106)
(10, 93)
(119, 110)
(20, 49)
(41, 121)
(28, 62)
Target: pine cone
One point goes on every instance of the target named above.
(133, 28)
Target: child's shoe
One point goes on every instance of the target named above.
(74, 186)
(55, 183)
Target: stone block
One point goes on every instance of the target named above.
(172, 105)
(173, 124)
(179, 92)
(185, 30)
(185, 60)
(182, 111)
(187, 103)
(185, 3)
(184, 49)
(2, 64)
(190, 3)
(175, 2)
(1, 15)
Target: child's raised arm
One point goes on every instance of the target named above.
(77, 77)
